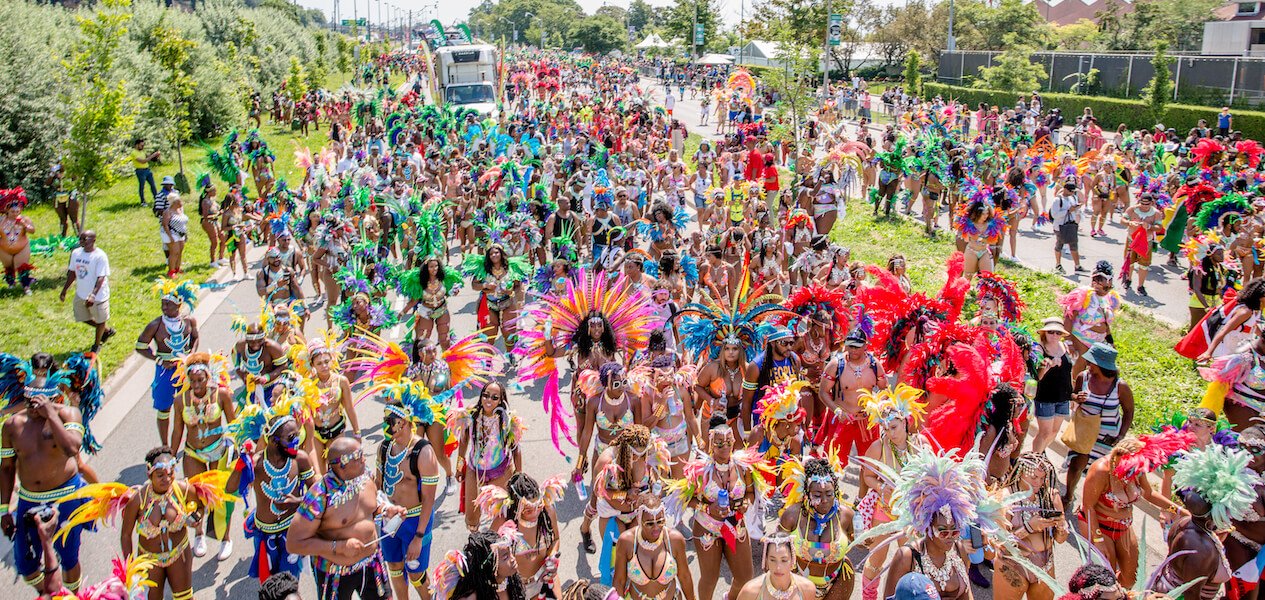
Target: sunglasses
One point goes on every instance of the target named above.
(950, 533)
(168, 465)
(347, 459)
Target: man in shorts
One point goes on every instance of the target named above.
(89, 272)
(1065, 213)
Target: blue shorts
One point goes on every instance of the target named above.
(395, 547)
(271, 547)
(163, 389)
(700, 200)
(733, 115)
(1048, 410)
(28, 553)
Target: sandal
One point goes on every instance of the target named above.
(586, 539)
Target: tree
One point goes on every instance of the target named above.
(1012, 71)
(174, 54)
(345, 54)
(794, 84)
(913, 78)
(296, 83)
(682, 18)
(1159, 91)
(597, 33)
(640, 14)
(1082, 35)
(988, 26)
(96, 104)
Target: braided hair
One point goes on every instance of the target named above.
(479, 579)
(584, 342)
(583, 589)
(521, 486)
(502, 412)
(633, 436)
(1028, 462)
(817, 468)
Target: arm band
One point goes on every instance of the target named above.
(748, 385)
(4, 509)
(75, 426)
(430, 480)
(7, 453)
(307, 474)
(142, 346)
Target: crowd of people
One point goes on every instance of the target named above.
(705, 356)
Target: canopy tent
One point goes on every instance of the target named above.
(652, 41)
(715, 59)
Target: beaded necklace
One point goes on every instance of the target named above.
(279, 485)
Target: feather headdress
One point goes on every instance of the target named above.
(13, 197)
(707, 326)
(1001, 290)
(625, 308)
(84, 376)
(811, 299)
(901, 403)
(1222, 477)
(795, 482)
(181, 292)
(780, 402)
(215, 365)
(1153, 451)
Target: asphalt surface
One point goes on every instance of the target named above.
(127, 428)
(1166, 286)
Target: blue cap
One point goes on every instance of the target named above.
(777, 333)
(915, 586)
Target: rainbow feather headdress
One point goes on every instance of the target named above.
(781, 402)
(254, 421)
(708, 325)
(795, 482)
(993, 286)
(901, 402)
(1221, 476)
(181, 292)
(128, 580)
(627, 311)
(494, 500)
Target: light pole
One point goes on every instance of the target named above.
(529, 14)
(825, 54)
(950, 43)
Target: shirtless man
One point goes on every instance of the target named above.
(408, 472)
(283, 473)
(719, 383)
(335, 526)
(38, 446)
(777, 364)
(276, 281)
(845, 427)
(563, 223)
(165, 340)
(259, 361)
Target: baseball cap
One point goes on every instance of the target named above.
(915, 586)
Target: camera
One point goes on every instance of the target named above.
(39, 514)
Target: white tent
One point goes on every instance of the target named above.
(652, 41)
(715, 59)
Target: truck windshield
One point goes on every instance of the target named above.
(470, 94)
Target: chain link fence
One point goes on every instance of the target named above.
(1206, 80)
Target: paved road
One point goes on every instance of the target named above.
(1166, 286)
(127, 427)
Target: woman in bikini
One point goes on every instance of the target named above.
(499, 282)
(779, 581)
(530, 507)
(1038, 523)
(1112, 487)
(209, 217)
(820, 525)
(204, 405)
(977, 227)
(650, 559)
(335, 410)
(428, 288)
(631, 467)
(159, 512)
(1101, 188)
(489, 453)
(15, 243)
(720, 487)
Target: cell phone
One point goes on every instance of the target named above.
(977, 537)
(1051, 513)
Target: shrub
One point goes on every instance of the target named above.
(1110, 112)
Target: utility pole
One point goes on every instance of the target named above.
(409, 41)
(825, 54)
(951, 44)
(694, 34)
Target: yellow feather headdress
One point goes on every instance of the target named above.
(216, 365)
(901, 402)
(181, 292)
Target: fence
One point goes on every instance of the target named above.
(1211, 80)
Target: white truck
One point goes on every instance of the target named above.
(467, 77)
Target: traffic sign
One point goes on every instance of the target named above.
(698, 34)
(359, 22)
(835, 31)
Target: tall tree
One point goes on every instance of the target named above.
(597, 33)
(640, 15)
(681, 20)
(174, 53)
(96, 103)
(1012, 71)
(1159, 91)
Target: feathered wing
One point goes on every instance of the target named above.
(472, 358)
(953, 424)
(105, 502)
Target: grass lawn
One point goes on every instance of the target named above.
(129, 235)
(1161, 380)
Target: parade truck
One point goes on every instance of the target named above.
(467, 76)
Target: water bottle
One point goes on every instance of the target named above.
(722, 498)
(582, 491)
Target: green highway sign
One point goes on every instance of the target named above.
(698, 34)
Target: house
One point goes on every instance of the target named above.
(1238, 30)
(1066, 12)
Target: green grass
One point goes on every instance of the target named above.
(129, 235)
(1161, 380)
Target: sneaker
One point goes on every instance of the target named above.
(109, 333)
(1079, 269)
(1059, 269)
(1142, 290)
(226, 550)
(1128, 285)
(199, 546)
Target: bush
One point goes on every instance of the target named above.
(1110, 112)
(238, 50)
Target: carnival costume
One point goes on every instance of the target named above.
(794, 490)
(178, 340)
(493, 500)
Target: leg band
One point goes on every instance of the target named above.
(184, 595)
(73, 585)
(35, 580)
(164, 415)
